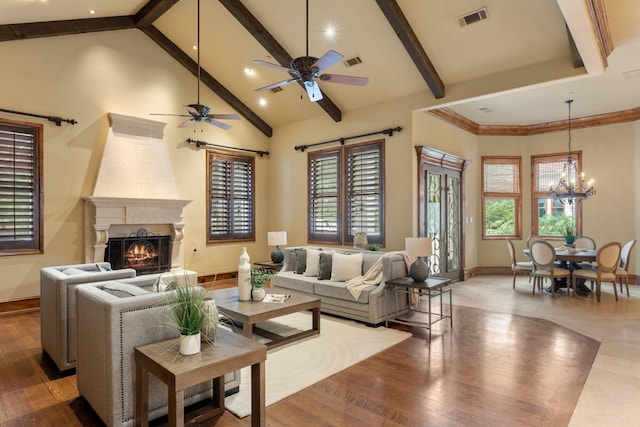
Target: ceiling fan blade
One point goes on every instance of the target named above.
(269, 64)
(192, 110)
(327, 60)
(186, 123)
(274, 85)
(313, 90)
(346, 80)
(217, 123)
(224, 116)
(172, 115)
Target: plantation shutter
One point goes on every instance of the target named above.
(364, 191)
(231, 197)
(20, 188)
(324, 193)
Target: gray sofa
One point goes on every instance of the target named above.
(372, 304)
(58, 306)
(110, 324)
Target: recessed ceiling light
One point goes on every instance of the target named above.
(330, 32)
(195, 47)
(248, 71)
(262, 102)
(92, 12)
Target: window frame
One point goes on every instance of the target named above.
(341, 156)
(35, 244)
(230, 159)
(497, 195)
(540, 192)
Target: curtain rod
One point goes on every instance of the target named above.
(58, 120)
(342, 140)
(208, 144)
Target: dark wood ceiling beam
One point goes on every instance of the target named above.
(275, 49)
(35, 30)
(206, 78)
(153, 10)
(405, 33)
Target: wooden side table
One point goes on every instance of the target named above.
(229, 353)
(430, 288)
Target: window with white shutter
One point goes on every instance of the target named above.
(21, 194)
(230, 194)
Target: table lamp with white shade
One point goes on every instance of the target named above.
(277, 238)
(418, 247)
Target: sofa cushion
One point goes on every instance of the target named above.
(313, 262)
(301, 261)
(345, 267)
(325, 266)
(296, 282)
(123, 290)
(338, 290)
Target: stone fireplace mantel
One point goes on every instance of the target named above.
(103, 213)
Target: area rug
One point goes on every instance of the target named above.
(289, 369)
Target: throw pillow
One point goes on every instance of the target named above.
(313, 262)
(345, 267)
(325, 266)
(301, 261)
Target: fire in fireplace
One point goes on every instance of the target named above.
(142, 251)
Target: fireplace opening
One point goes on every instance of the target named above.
(143, 251)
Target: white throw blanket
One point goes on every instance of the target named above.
(374, 275)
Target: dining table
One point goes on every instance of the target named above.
(571, 259)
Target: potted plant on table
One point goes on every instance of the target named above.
(192, 311)
(569, 234)
(259, 279)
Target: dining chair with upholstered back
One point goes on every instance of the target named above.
(622, 272)
(607, 259)
(544, 256)
(584, 242)
(532, 238)
(517, 266)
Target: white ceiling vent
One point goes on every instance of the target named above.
(276, 89)
(473, 17)
(350, 62)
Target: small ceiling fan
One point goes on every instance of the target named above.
(198, 112)
(307, 69)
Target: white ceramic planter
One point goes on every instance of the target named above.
(190, 344)
(258, 294)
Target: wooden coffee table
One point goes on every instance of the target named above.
(249, 313)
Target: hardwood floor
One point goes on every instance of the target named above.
(490, 369)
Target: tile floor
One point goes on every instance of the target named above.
(611, 395)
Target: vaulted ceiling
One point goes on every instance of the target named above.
(516, 67)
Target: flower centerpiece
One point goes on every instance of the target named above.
(259, 279)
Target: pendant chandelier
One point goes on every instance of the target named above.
(571, 187)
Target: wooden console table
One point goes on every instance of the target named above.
(229, 353)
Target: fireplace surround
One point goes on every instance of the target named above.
(143, 197)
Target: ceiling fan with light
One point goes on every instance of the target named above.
(199, 112)
(307, 70)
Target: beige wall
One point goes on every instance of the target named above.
(86, 76)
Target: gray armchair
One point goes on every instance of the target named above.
(110, 325)
(58, 306)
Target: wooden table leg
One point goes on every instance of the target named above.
(316, 319)
(258, 416)
(176, 407)
(247, 330)
(142, 394)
